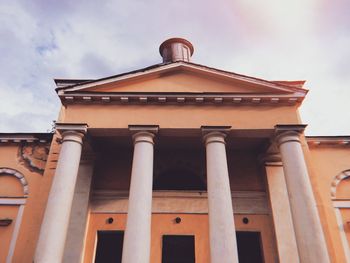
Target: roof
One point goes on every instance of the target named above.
(63, 84)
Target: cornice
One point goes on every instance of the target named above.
(25, 137)
(181, 98)
(281, 128)
(317, 141)
(134, 129)
(164, 67)
(77, 127)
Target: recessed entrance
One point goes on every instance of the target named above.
(178, 249)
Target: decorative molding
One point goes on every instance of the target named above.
(281, 128)
(341, 204)
(19, 176)
(183, 99)
(220, 129)
(271, 159)
(25, 138)
(77, 127)
(143, 128)
(13, 201)
(336, 180)
(157, 69)
(340, 141)
(34, 156)
(288, 133)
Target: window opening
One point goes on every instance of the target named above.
(178, 249)
(249, 247)
(109, 247)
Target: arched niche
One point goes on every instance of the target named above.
(12, 183)
(340, 186)
(340, 195)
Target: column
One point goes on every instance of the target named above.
(311, 243)
(280, 207)
(74, 247)
(54, 227)
(222, 234)
(137, 237)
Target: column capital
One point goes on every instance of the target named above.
(72, 131)
(288, 133)
(215, 133)
(74, 127)
(143, 133)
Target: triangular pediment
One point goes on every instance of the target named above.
(181, 77)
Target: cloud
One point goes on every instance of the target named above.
(46, 39)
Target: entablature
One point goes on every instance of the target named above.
(25, 137)
(180, 99)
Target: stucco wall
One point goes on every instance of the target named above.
(326, 162)
(38, 188)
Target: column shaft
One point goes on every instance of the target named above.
(308, 229)
(74, 246)
(281, 214)
(137, 237)
(54, 227)
(222, 234)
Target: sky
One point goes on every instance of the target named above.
(271, 39)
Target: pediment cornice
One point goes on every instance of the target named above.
(272, 92)
(64, 86)
(181, 98)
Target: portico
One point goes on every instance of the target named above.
(177, 151)
(221, 200)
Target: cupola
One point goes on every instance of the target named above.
(176, 49)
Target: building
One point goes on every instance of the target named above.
(165, 163)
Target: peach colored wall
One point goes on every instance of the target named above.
(181, 81)
(343, 189)
(6, 231)
(10, 186)
(325, 162)
(197, 225)
(39, 186)
(168, 116)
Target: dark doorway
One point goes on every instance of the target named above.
(109, 246)
(178, 249)
(249, 247)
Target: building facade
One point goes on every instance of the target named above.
(176, 162)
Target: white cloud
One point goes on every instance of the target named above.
(46, 39)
